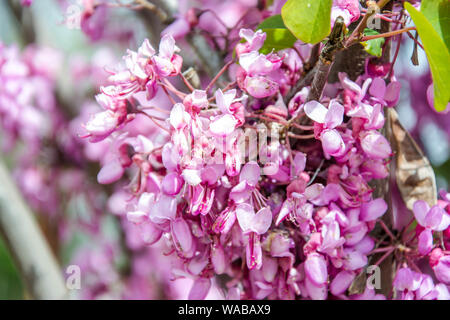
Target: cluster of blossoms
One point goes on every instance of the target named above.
(239, 183)
(284, 215)
(52, 171)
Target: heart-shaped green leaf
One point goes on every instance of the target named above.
(308, 20)
(272, 22)
(374, 46)
(277, 39)
(437, 13)
(438, 57)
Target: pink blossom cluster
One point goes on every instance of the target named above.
(295, 221)
(238, 186)
(53, 175)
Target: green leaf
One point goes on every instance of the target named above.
(277, 39)
(437, 13)
(438, 57)
(272, 22)
(308, 20)
(374, 46)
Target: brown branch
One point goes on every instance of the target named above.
(373, 8)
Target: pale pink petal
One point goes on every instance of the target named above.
(182, 237)
(373, 210)
(262, 221)
(171, 184)
(315, 111)
(378, 88)
(260, 86)
(250, 173)
(335, 114)
(425, 243)
(110, 172)
(244, 215)
(332, 143)
(341, 282)
(223, 125)
(316, 269)
(420, 209)
(200, 289)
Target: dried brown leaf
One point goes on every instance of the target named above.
(414, 174)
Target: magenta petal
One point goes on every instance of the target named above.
(224, 221)
(244, 215)
(365, 245)
(355, 234)
(182, 237)
(149, 232)
(172, 183)
(110, 172)
(260, 87)
(253, 252)
(137, 216)
(250, 172)
(269, 268)
(442, 270)
(393, 93)
(354, 260)
(378, 88)
(262, 220)
(299, 163)
(335, 114)
(197, 264)
(406, 279)
(437, 219)
(241, 192)
(442, 292)
(341, 282)
(316, 269)
(375, 145)
(316, 292)
(420, 209)
(164, 209)
(425, 242)
(373, 210)
(200, 289)
(332, 143)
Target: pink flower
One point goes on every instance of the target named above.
(183, 240)
(248, 179)
(225, 221)
(341, 282)
(434, 218)
(348, 9)
(200, 289)
(101, 125)
(249, 221)
(387, 95)
(327, 120)
(373, 210)
(232, 113)
(256, 69)
(167, 63)
(254, 41)
(316, 269)
(375, 145)
(440, 263)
